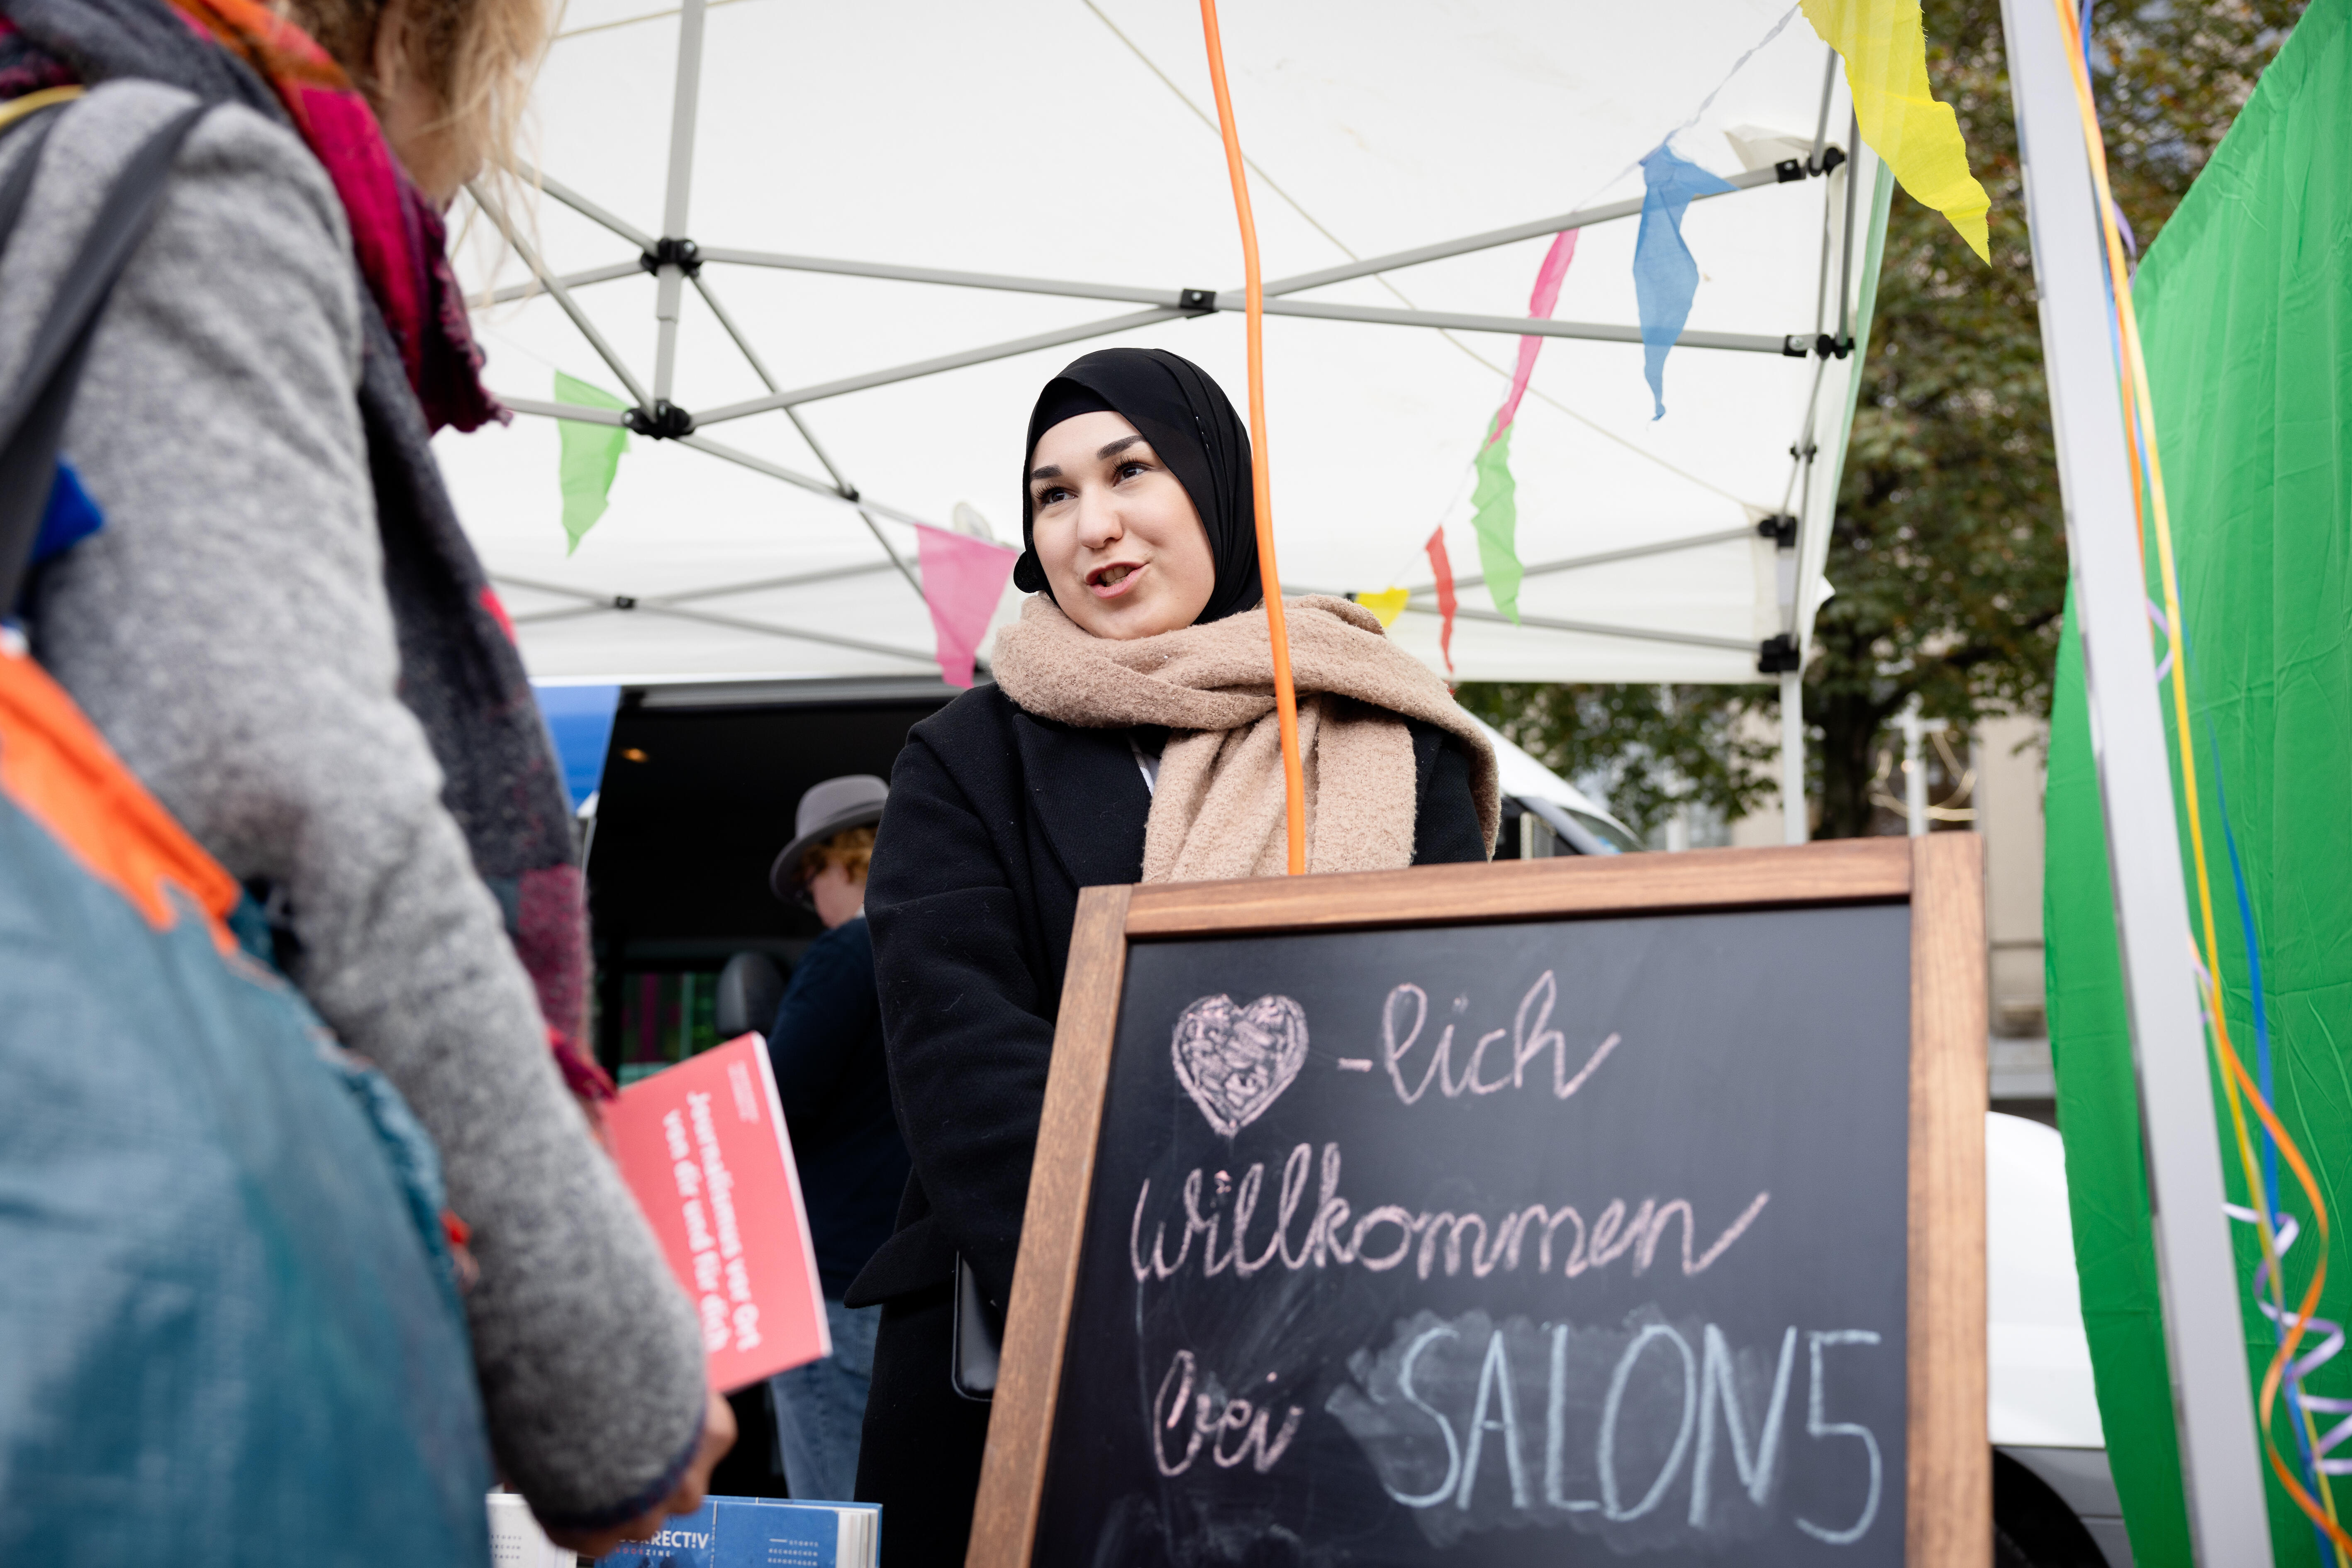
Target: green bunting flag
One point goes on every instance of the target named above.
(1497, 523)
(592, 456)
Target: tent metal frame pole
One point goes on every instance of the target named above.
(1796, 825)
(554, 286)
(841, 485)
(1591, 628)
(862, 505)
(614, 605)
(1512, 326)
(1540, 228)
(920, 368)
(590, 210)
(2206, 1331)
(1631, 552)
(678, 189)
(724, 590)
(580, 279)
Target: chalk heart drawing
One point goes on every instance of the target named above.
(1235, 1061)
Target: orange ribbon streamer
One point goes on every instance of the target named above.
(1285, 691)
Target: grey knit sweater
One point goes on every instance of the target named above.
(228, 633)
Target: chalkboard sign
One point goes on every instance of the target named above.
(1561, 1211)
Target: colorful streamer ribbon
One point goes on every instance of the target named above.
(591, 456)
(1884, 45)
(1442, 570)
(1286, 693)
(2240, 1090)
(1495, 517)
(963, 579)
(1665, 277)
(1495, 513)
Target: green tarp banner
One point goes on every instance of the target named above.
(2245, 306)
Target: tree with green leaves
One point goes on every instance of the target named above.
(1948, 552)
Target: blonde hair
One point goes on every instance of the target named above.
(852, 849)
(479, 57)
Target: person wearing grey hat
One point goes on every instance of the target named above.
(827, 1045)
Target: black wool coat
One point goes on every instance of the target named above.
(997, 819)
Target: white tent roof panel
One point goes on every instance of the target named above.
(1029, 139)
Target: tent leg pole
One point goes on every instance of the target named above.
(678, 187)
(1795, 826)
(2205, 1329)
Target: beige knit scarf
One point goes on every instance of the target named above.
(1217, 810)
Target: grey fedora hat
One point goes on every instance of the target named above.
(853, 800)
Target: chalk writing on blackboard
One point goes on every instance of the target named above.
(1530, 1034)
(1476, 1425)
(1390, 1234)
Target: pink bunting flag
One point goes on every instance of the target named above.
(1548, 278)
(963, 579)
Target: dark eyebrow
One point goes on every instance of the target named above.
(1050, 471)
(1121, 445)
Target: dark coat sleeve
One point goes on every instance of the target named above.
(1445, 816)
(962, 1011)
(827, 1015)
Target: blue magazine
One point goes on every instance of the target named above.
(760, 1532)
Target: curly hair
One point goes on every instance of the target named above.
(852, 849)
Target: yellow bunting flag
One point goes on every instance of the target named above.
(1388, 606)
(1884, 46)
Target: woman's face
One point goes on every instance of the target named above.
(1121, 542)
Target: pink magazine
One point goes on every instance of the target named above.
(703, 1146)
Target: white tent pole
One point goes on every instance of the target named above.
(1796, 826)
(919, 368)
(1202, 302)
(1846, 254)
(681, 184)
(2205, 1332)
(1821, 126)
(760, 368)
(578, 413)
(1632, 552)
(563, 295)
(1583, 629)
(866, 509)
(622, 604)
(1512, 326)
(1540, 228)
(513, 291)
(588, 209)
(842, 487)
(724, 590)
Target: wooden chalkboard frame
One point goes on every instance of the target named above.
(1948, 1487)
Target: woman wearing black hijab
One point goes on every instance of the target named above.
(1130, 738)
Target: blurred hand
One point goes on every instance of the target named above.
(718, 1437)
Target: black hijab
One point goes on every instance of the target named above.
(1190, 424)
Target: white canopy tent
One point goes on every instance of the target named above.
(905, 222)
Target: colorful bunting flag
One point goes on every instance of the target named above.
(1884, 45)
(1664, 276)
(591, 456)
(1497, 520)
(1387, 605)
(1548, 278)
(1496, 517)
(1444, 571)
(963, 579)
